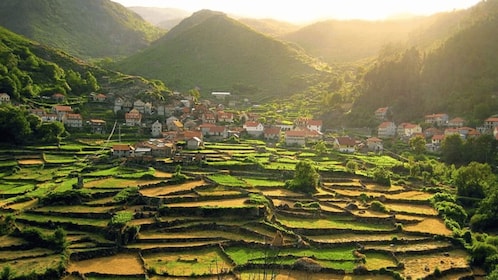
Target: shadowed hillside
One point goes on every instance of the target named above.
(88, 29)
(215, 52)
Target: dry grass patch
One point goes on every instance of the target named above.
(120, 264)
(418, 266)
(189, 263)
(300, 275)
(429, 225)
(32, 253)
(412, 208)
(38, 265)
(30, 162)
(420, 247)
(359, 238)
(169, 189)
(279, 193)
(219, 203)
(376, 261)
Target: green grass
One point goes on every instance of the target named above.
(332, 223)
(254, 182)
(63, 219)
(244, 255)
(227, 180)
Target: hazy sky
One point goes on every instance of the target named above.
(310, 10)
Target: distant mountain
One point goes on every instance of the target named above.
(217, 53)
(29, 70)
(87, 29)
(271, 27)
(339, 41)
(165, 18)
(459, 76)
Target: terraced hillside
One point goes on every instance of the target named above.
(212, 222)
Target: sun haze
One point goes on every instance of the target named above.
(311, 10)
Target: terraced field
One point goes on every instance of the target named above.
(207, 229)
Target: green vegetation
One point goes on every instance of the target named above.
(75, 26)
(222, 39)
(306, 178)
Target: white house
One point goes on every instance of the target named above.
(118, 104)
(157, 129)
(408, 129)
(254, 128)
(386, 130)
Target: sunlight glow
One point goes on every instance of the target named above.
(310, 10)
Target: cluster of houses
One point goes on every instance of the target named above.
(437, 127)
(182, 123)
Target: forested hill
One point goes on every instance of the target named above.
(29, 70)
(460, 77)
(87, 29)
(215, 52)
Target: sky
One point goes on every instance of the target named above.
(303, 11)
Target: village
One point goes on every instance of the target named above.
(185, 123)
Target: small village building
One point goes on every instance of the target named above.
(97, 126)
(220, 94)
(345, 144)
(133, 118)
(58, 97)
(139, 105)
(272, 133)
(375, 144)
(253, 128)
(295, 137)
(382, 113)
(225, 117)
(72, 120)
(439, 119)
(194, 143)
(100, 97)
(208, 117)
(407, 130)
(122, 150)
(156, 129)
(118, 104)
(61, 111)
(314, 125)
(386, 130)
(456, 122)
(491, 123)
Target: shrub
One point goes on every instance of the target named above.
(121, 218)
(378, 206)
(126, 194)
(6, 273)
(382, 176)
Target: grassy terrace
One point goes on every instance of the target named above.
(182, 231)
(332, 223)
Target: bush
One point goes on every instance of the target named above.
(378, 206)
(382, 176)
(126, 194)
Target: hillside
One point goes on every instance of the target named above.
(29, 70)
(339, 41)
(87, 29)
(459, 77)
(214, 52)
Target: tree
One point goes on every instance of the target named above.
(14, 126)
(320, 148)
(306, 177)
(195, 94)
(473, 181)
(417, 144)
(451, 149)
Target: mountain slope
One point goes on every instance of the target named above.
(338, 41)
(87, 29)
(215, 52)
(460, 77)
(29, 70)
